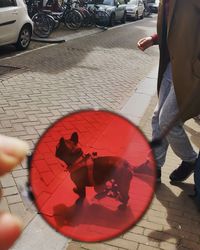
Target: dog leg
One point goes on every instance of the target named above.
(81, 192)
(124, 186)
(80, 201)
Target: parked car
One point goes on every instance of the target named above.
(115, 9)
(15, 24)
(153, 5)
(135, 9)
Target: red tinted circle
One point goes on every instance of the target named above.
(92, 175)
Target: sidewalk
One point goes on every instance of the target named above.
(172, 222)
(58, 79)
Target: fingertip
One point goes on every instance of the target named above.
(10, 230)
(14, 146)
(12, 152)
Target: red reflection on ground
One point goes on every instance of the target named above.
(92, 175)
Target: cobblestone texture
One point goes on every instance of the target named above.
(102, 71)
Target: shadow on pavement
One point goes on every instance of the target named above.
(182, 217)
(195, 135)
(87, 214)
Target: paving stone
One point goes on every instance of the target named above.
(19, 173)
(137, 230)
(168, 246)
(141, 239)
(73, 246)
(126, 244)
(13, 199)
(4, 205)
(7, 181)
(10, 191)
(97, 246)
(39, 235)
(150, 225)
(145, 247)
(19, 210)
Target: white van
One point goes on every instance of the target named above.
(15, 25)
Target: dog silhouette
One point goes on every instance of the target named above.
(109, 175)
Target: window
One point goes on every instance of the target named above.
(7, 3)
(121, 1)
(133, 2)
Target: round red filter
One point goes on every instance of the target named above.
(92, 175)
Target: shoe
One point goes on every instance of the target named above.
(158, 175)
(182, 172)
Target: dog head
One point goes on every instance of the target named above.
(68, 150)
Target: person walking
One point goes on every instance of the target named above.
(178, 37)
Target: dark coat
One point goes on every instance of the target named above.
(180, 44)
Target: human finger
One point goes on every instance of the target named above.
(141, 44)
(10, 230)
(12, 152)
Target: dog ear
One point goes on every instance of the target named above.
(74, 137)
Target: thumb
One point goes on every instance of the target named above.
(10, 229)
(12, 152)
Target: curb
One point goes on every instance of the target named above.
(137, 104)
(66, 38)
(47, 40)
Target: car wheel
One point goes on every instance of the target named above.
(24, 38)
(112, 20)
(123, 20)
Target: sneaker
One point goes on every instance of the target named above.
(158, 175)
(182, 172)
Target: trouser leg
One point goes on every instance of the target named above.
(166, 110)
(160, 152)
(177, 137)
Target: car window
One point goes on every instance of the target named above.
(104, 2)
(133, 2)
(121, 1)
(7, 3)
(151, 1)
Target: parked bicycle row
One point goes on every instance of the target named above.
(74, 14)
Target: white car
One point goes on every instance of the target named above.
(153, 5)
(135, 9)
(15, 25)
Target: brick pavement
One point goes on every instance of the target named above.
(172, 222)
(87, 73)
(100, 70)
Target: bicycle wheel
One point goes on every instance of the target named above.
(101, 18)
(42, 25)
(86, 17)
(73, 19)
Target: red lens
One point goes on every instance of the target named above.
(92, 175)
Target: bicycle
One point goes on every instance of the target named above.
(43, 24)
(45, 21)
(99, 18)
(68, 15)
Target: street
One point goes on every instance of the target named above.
(100, 70)
(96, 71)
